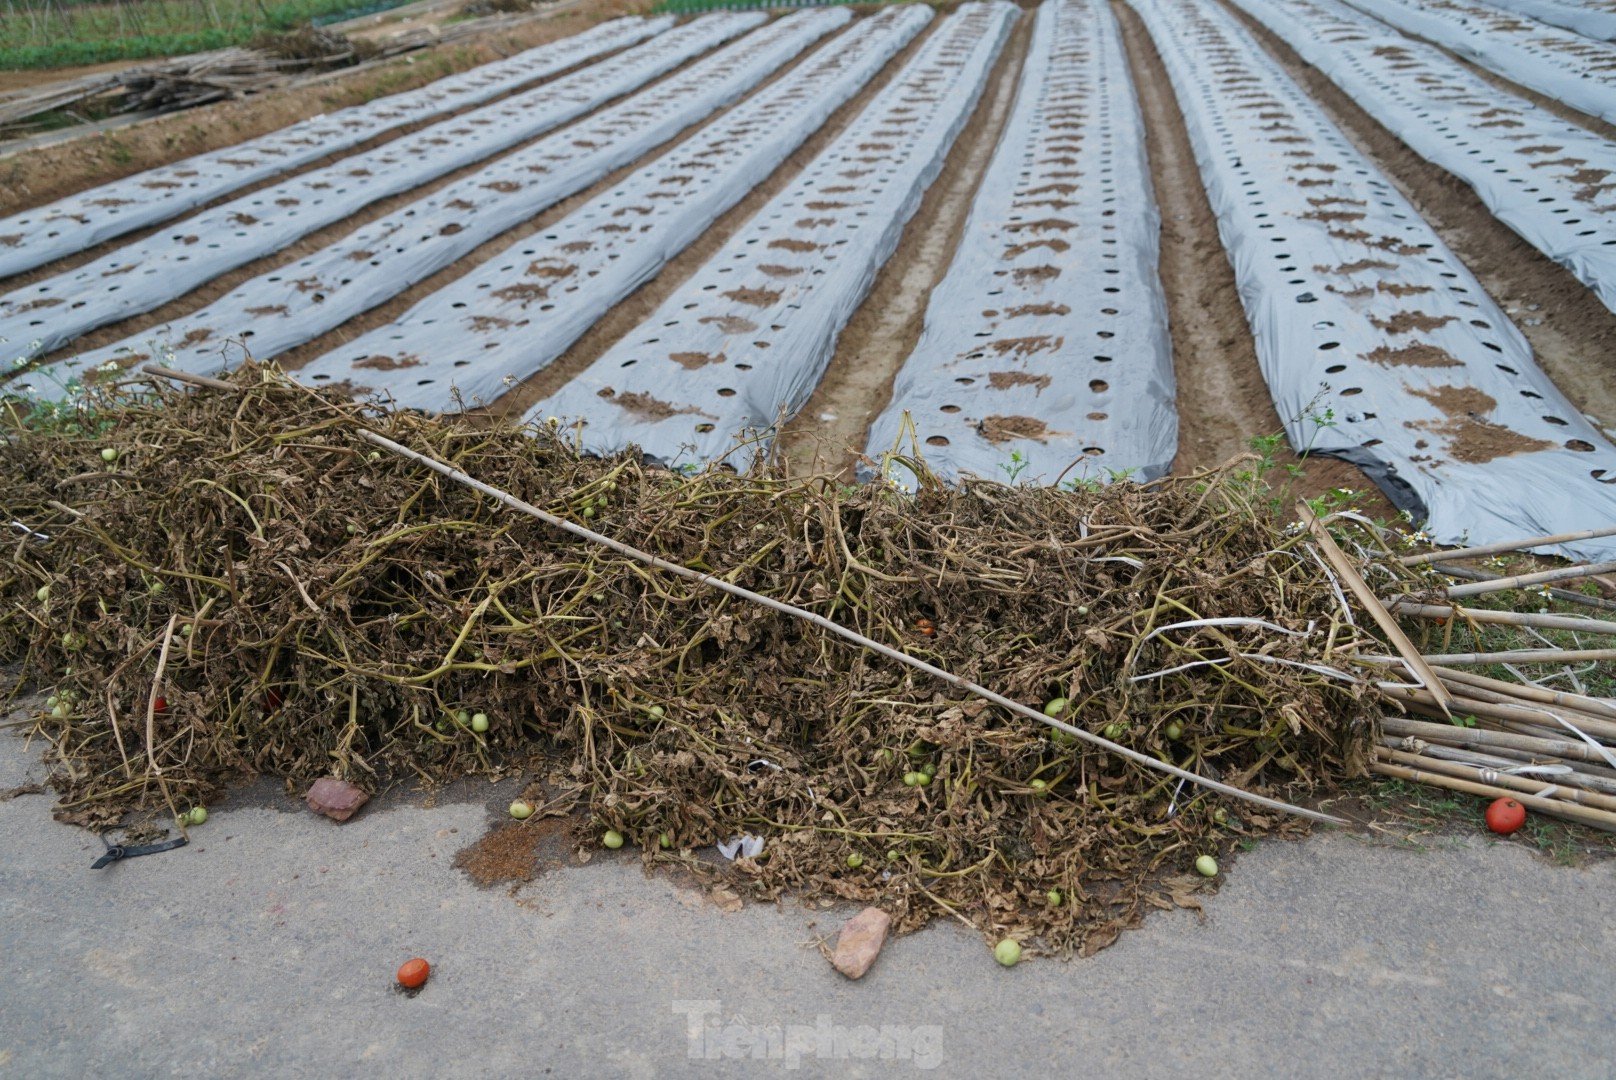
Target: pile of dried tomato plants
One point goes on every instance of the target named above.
(318, 607)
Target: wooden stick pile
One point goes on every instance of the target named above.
(1554, 751)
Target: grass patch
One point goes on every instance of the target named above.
(59, 33)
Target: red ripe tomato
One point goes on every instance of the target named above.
(926, 627)
(1504, 816)
(412, 974)
(160, 705)
(272, 700)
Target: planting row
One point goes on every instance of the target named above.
(746, 339)
(1590, 18)
(1047, 339)
(292, 304)
(71, 225)
(1562, 64)
(1547, 179)
(135, 278)
(477, 335)
(1377, 344)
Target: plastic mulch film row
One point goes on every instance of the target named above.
(191, 252)
(469, 341)
(1559, 63)
(1549, 180)
(67, 226)
(746, 339)
(292, 304)
(1378, 345)
(1590, 18)
(1048, 339)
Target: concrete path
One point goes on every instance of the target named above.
(268, 947)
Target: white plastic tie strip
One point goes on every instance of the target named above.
(1378, 346)
(36, 237)
(292, 304)
(515, 314)
(142, 275)
(1559, 63)
(746, 339)
(1551, 181)
(1590, 18)
(1047, 339)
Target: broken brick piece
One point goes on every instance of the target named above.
(336, 799)
(860, 942)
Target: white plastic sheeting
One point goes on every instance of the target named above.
(1377, 344)
(293, 304)
(70, 225)
(1590, 18)
(141, 275)
(1048, 337)
(1551, 181)
(517, 313)
(1559, 63)
(747, 338)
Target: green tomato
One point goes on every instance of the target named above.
(156, 587)
(1008, 952)
(894, 855)
(1038, 786)
(924, 779)
(197, 816)
(665, 841)
(1054, 897)
(187, 630)
(1175, 731)
(854, 861)
(1113, 732)
(589, 511)
(612, 839)
(912, 779)
(1221, 816)
(479, 722)
(374, 455)
(929, 769)
(109, 454)
(1206, 866)
(521, 809)
(1055, 706)
(43, 594)
(1082, 609)
(59, 711)
(657, 712)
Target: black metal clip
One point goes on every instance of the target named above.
(116, 852)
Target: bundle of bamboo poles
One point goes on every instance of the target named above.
(1552, 750)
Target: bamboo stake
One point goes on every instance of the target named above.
(1521, 581)
(1492, 710)
(1557, 698)
(1366, 596)
(1444, 612)
(1524, 656)
(1466, 574)
(1507, 546)
(1585, 815)
(1544, 789)
(1500, 758)
(1451, 735)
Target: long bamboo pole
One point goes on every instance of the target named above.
(1444, 612)
(1545, 789)
(512, 502)
(1585, 815)
(1452, 735)
(1522, 581)
(1507, 546)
